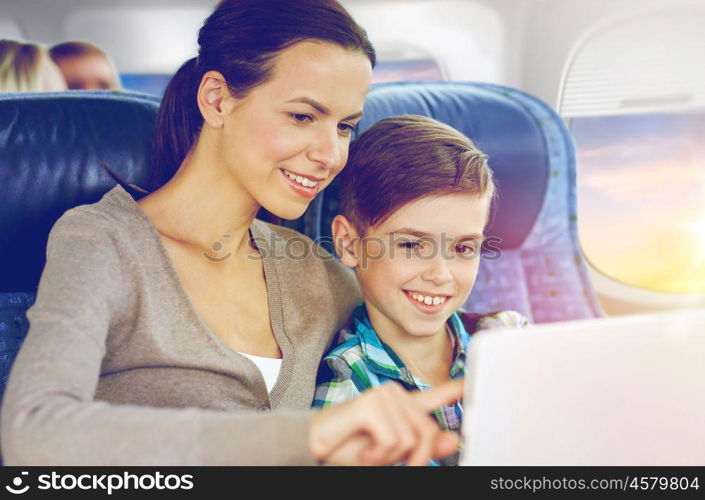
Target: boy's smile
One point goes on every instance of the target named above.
(427, 303)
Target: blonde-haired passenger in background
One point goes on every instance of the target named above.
(85, 66)
(27, 67)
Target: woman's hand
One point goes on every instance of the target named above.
(384, 426)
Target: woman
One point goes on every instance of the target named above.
(27, 67)
(158, 324)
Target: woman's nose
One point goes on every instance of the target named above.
(327, 150)
(438, 270)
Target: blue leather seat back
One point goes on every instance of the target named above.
(539, 270)
(50, 149)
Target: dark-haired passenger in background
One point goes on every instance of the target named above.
(85, 66)
(167, 327)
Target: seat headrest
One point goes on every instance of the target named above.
(500, 126)
(51, 145)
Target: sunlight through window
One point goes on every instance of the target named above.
(641, 198)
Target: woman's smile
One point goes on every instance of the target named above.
(301, 185)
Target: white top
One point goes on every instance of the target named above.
(269, 367)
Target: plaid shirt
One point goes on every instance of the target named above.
(363, 361)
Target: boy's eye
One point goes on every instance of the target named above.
(467, 249)
(301, 117)
(409, 245)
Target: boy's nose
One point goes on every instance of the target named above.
(438, 271)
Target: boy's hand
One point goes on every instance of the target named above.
(384, 426)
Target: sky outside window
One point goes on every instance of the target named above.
(641, 198)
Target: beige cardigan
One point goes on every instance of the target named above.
(118, 368)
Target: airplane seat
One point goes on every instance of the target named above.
(50, 146)
(531, 262)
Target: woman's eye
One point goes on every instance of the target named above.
(301, 118)
(346, 129)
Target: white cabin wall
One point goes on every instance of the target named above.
(140, 41)
(553, 28)
(150, 37)
(520, 43)
(471, 39)
(10, 28)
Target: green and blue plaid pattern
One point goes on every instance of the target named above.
(363, 361)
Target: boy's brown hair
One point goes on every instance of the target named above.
(405, 158)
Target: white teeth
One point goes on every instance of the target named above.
(428, 300)
(301, 180)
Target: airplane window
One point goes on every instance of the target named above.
(641, 198)
(419, 70)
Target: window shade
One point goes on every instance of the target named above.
(651, 63)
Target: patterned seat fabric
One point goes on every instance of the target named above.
(13, 328)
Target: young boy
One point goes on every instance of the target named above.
(415, 198)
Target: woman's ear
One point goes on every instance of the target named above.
(212, 92)
(346, 240)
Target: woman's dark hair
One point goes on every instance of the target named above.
(240, 40)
